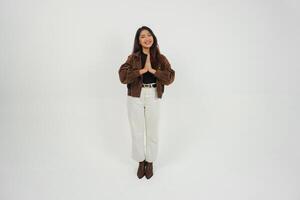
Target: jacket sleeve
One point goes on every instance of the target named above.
(167, 75)
(126, 73)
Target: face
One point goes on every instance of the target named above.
(146, 39)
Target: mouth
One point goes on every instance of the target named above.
(147, 43)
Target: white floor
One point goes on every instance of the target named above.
(215, 147)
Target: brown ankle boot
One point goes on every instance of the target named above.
(149, 170)
(141, 169)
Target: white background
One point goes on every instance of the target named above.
(228, 122)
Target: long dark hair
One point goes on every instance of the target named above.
(155, 55)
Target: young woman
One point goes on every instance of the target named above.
(146, 72)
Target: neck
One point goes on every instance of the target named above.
(146, 50)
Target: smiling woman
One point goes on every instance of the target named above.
(145, 72)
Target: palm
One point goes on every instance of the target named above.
(148, 63)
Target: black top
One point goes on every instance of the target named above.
(148, 77)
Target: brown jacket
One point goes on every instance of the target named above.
(129, 74)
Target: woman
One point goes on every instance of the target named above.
(146, 72)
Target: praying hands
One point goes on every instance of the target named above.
(148, 67)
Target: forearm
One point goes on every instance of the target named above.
(127, 76)
(165, 76)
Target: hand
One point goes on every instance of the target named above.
(151, 70)
(144, 70)
(148, 65)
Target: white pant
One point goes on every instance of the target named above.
(143, 115)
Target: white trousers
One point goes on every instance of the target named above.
(143, 115)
